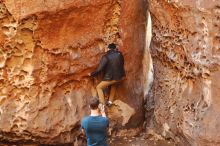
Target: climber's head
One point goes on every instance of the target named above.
(112, 46)
(94, 103)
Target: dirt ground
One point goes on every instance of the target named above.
(139, 141)
(150, 139)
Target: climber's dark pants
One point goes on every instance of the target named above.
(102, 85)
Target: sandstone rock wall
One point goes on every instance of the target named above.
(47, 48)
(185, 52)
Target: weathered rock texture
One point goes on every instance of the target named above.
(47, 48)
(185, 52)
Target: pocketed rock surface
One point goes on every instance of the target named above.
(185, 96)
(47, 49)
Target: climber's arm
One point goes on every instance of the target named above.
(101, 66)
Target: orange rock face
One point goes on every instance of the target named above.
(185, 52)
(47, 50)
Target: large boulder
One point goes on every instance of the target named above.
(48, 47)
(185, 51)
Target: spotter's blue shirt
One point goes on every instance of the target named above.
(95, 128)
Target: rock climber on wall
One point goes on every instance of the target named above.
(112, 64)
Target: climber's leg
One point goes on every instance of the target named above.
(101, 86)
(93, 91)
(112, 93)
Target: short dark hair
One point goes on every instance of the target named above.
(112, 46)
(94, 103)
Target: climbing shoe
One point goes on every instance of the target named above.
(109, 103)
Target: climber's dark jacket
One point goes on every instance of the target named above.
(112, 64)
